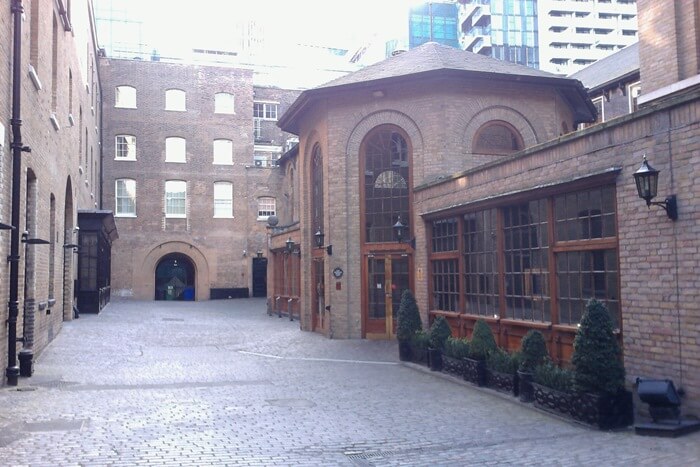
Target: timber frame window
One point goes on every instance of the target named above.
(536, 259)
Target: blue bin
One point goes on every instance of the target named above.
(188, 293)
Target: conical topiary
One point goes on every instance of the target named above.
(597, 364)
(439, 332)
(483, 342)
(533, 351)
(408, 317)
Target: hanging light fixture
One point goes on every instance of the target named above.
(647, 179)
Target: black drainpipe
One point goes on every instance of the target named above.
(17, 148)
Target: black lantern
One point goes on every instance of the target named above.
(399, 230)
(319, 236)
(647, 179)
(290, 244)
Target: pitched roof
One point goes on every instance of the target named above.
(433, 56)
(610, 69)
(433, 59)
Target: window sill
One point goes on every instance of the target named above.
(176, 162)
(223, 163)
(133, 159)
(223, 217)
(175, 216)
(122, 107)
(125, 215)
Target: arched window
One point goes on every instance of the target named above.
(386, 182)
(317, 187)
(224, 103)
(497, 138)
(175, 149)
(175, 99)
(125, 97)
(223, 151)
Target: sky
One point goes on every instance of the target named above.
(172, 25)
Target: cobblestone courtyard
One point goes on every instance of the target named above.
(222, 383)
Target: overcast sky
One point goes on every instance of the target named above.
(333, 23)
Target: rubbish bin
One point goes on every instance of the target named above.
(170, 292)
(188, 293)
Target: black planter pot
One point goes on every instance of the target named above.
(552, 400)
(526, 392)
(419, 354)
(475, 371)
(405, 351)
(504, 382)
(452, 365)
(435, 359)
(605, 411)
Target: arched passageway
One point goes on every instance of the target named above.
(175, 278)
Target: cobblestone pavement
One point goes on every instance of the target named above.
(222, 383)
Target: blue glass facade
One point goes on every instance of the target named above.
(444, 28)
(513, 30)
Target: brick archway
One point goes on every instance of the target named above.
(144, 275)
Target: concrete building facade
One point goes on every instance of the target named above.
(559, 36)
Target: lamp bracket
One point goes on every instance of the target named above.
(670, 206)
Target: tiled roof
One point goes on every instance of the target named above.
(432, 56)
(610, 69)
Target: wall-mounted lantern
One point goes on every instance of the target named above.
(400, 232)
(319, 237)
(647, 180)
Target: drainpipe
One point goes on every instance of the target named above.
(12, 371)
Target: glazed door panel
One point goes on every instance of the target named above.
(387, 278)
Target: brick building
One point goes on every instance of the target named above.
(58, 91)
(189, 158)
(516, 219)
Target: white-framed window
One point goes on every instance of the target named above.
(223, 151)
(266, 207)
(175, 149)
(257, 129)
(125, 97)
(175, 99)
(634, 90)
(125, 147)
(224, 103)
(223, 199)
(265, 110)
(175, 198)
(125, 197)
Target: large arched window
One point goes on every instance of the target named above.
(386, 184)
(317, 187)
(497, 137)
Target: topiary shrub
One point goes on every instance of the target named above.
(597, 364)
(501, 361)
(483, 342)
(533, 351)
(439, 332)
(456, 348)
(550, 375)
(408, 317)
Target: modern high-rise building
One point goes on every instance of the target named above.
(559, 36)
(433, 22)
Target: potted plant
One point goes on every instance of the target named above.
(503, 371)
(481, 345)
(408, 322)
(553, 388)
(439, 333)
(453, 355)
(599, 376)
(419, 347)
(533, 352)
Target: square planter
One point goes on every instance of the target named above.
(605, 411)
(504, 382)
(475, 371)
(435, 359)
(453, 366)
(552, 400)
(405, 350)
